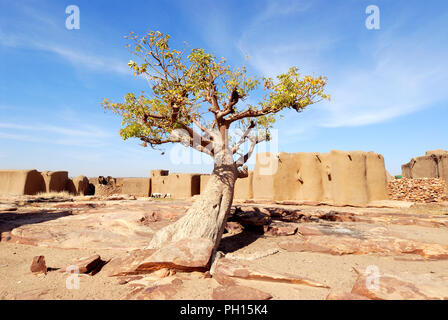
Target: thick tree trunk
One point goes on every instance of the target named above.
(208, 215)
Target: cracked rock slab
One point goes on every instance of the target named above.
(402, 287)
(184, 255)
(341, 245)
(246, 270)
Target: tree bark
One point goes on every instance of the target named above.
(208, 215)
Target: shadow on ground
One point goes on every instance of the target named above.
(12, 220)
(238, 241)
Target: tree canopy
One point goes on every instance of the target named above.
(194, 98)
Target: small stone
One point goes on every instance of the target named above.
(207, 275)
(38, 265)
(88, 264)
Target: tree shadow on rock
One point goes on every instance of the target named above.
(12, 220)
(238, 241)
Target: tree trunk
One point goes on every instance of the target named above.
(208, 215)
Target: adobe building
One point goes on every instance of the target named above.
(79, 185)
(337, 177)
(21, 182)
(32, 182)
(55, 181)
(432, 165)
(177, 185)
(139, 187)
(243, 186)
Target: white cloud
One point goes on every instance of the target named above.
(35, 34)
(89, 61)
(277, 8)
(77, 57)
(87, 131)
(86, 136)
(396, 74)
(402, 79)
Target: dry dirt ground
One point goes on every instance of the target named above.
(336, 247)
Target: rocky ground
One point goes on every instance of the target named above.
(288, 250)
(418, 190)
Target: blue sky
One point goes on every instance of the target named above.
(388, 86)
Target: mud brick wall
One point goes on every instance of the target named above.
(178, 185)
(337, 177)
(21, 182)
(139, 187)
(433, 165)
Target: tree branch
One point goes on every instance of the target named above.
(243, 137)
(254, 141)
(232, 101)
(249, 113)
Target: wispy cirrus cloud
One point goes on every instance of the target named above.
(386, 75)
(39, 27)
(87, 136)
(76, 57)
(402, 78)
(88, 131)
(86, 60)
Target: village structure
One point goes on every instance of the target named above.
(336, 178)
(303, 226)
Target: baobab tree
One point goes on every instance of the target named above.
(194, 99)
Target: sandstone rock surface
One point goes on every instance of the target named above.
(408, 244)
(184, 255)
(157, 292)
(340, 241)
(118, 226)
(247, 270)
(235, 292)
(404, 287)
